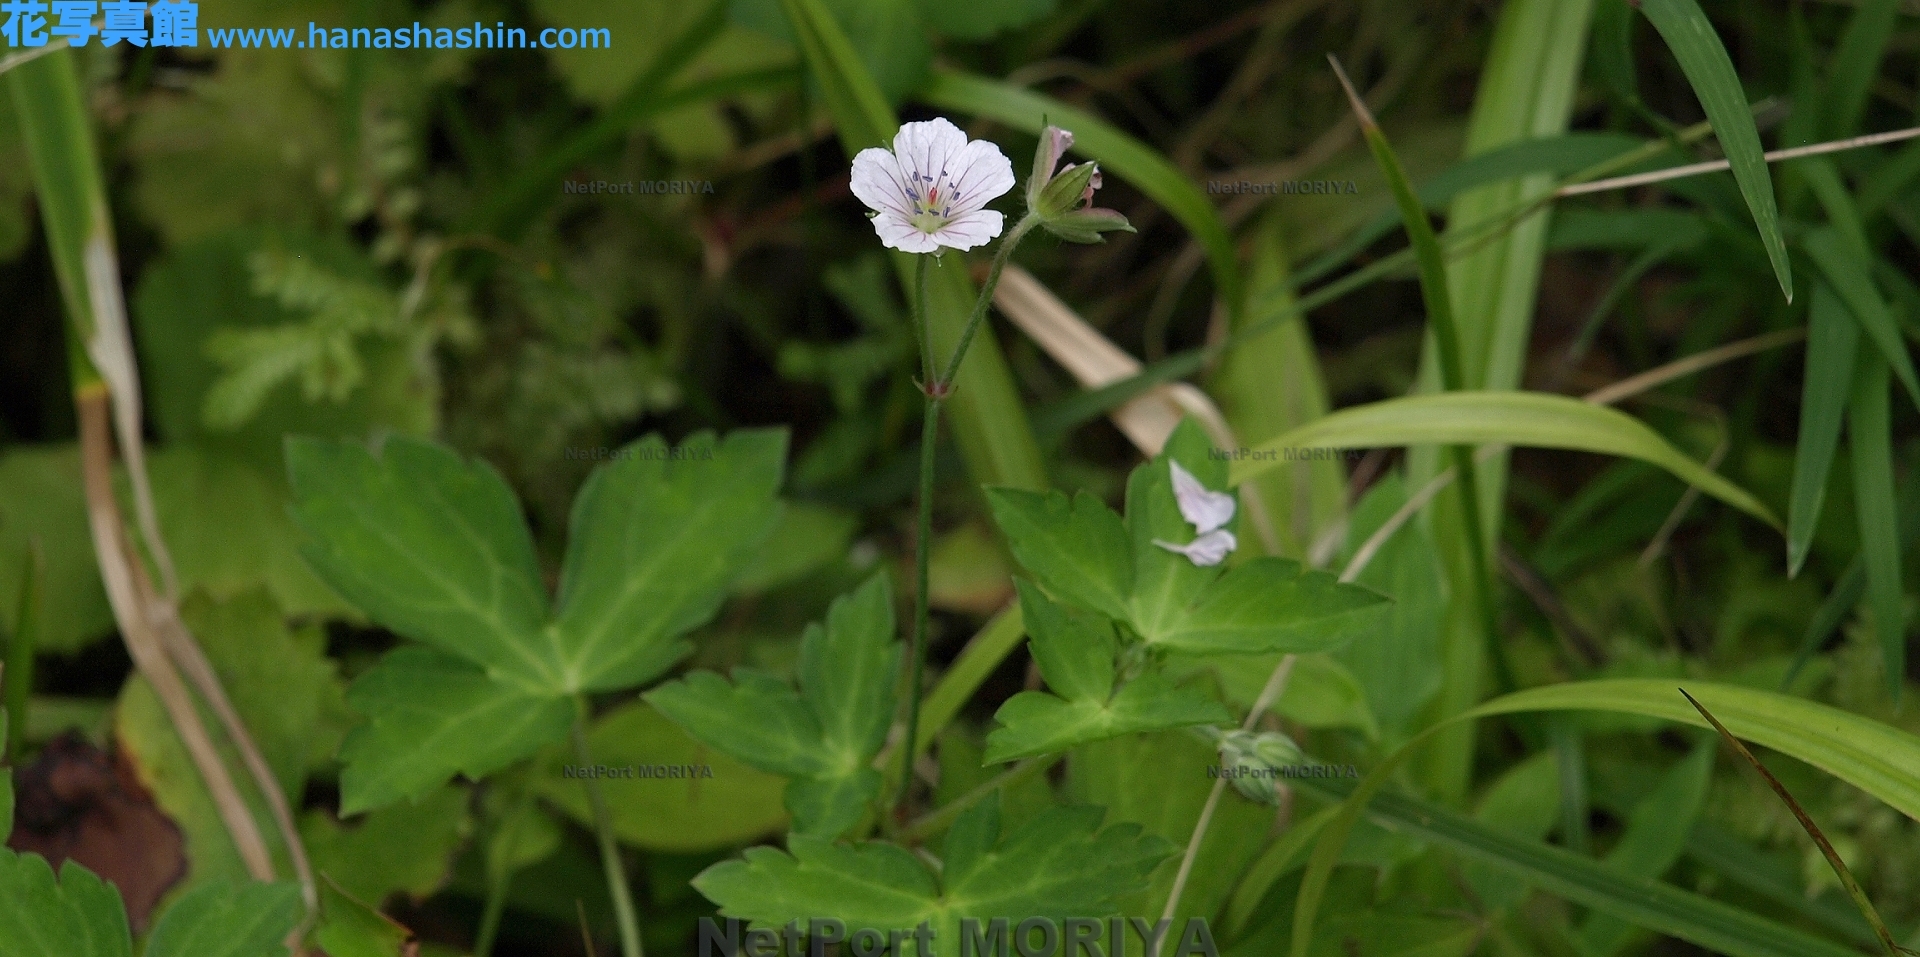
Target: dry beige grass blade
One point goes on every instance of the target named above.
(118, 572)
(110, 346)
(1095, 361)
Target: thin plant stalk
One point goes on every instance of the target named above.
(623, 910)
(937, 391)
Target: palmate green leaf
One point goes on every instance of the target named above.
(1505, 418)
(1077, 549)
(228, 920)
(1272, 604)
(1869, 435)
(431, 716)
(1166, 584)
(1073, 649)
(1036, 723)
(824, 735)
(1060, 864)
(654, 540)
(682, 815)
(349, 928)
(1710, 71)
(1832, 349)
(1880, 759)
(429, 545)
(405, 847)
(78, 915)
(1117, 153)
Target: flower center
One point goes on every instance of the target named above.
(932, 200)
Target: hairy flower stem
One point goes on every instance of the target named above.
(617, 889)
(936, 391)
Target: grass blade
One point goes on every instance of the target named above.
(1856, 61)
(1116, 152)
(1832, 347)
(1533, 419)
(1652, 904)
(1710, 71)
(1806, 822)
(1869, 437)
(1849, 277)
(1877, 758)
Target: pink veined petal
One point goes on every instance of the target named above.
(899, 234)
(973, 229)
(878, 182)
(981, 174)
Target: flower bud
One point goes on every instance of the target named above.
(1253, 762)
(1063, 201)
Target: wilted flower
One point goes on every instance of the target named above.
(931, 190)
(1063, 201)
(1207, 512)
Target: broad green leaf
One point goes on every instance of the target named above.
(1869, 434)
(1505, 418)
(1077, 549)
(286, 691)
(1832, 348)
(1656, 836)
(758, 719)
(1710, 71)
(682, 815)
(431, 716)
(1057, 865)
(806, 538)
(1074, 650)
(41, 497)
(656, 537)
(228, 920)
(406, 847)
(78, 915)
(1271, 604)
(349, 928)
(1647, 903)
(1321, 693)
(982, 19)
(823, 736)
(1118, 153)
(1159, 781)
(1036, 723)
(1166, 584)
(1851, 280)
(429, 545)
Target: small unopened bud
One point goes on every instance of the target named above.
(1063, 201)
(1253, 762)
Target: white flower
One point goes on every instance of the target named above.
(1207, 512)
(932, 188)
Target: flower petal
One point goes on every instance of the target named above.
(981, 174)
(899, 234)
(879, 183)
(1207, 550)
(1204, 510)
(973, 229)
(927, 147)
